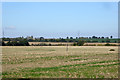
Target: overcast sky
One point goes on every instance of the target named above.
(60, 19)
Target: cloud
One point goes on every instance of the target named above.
(109, 5)
(10, 28)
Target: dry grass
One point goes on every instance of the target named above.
(55, 61)
(69, 43)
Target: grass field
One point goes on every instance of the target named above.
(71, 43)
(56, 62)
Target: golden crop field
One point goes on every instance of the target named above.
(56, 62)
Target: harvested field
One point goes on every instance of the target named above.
(52, 43)
(71, 43)
(56, 62)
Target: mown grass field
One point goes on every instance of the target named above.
(56, 62)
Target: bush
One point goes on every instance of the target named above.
(3, 43)
(112, 50)
(89, 45)
(100, 45)
(9, 43)
(23, 43)
(15, 43)
(113, 44)
(74, 44)
(43, 44)
(107, 44)
(80, 43)
(50, 44)
(110, 44)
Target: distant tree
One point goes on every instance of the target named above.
(107, 37)
(107, 44)
(80, 43)
(94, 37)
(23, 42)
(14, 43)
(31, 37)
(42, 39)
(103, 41)
(62, 40)
(26, 42)
(70, 40)
(9, 43)
(108, 41)
(67, 38)
(30, 40)
(74, 44)
(71, 37)
(3, 43)
(57, 40)
(102, 37)
(111, 37)
(49, 44)
(89, 37)
(76, 37)
(46, 40)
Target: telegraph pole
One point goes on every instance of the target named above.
(67, 45)
(3, 32)
(78, 34)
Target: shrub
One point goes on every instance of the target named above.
(80, 43)
(112, 50)
(50, 44)
(3, 43)
(15, 43)
(90, 45)
(43, 44)
(110, 44)
(74, 44)
(107, 44)
(100, 45)
(113, 45)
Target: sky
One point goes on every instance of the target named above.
(60, 19)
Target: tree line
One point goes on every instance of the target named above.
(67, 39)
(23, 42)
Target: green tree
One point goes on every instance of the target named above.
(3, 43)
(23, 42)
(107, 44)
(9, 43)
(80, 43)
(74, 44)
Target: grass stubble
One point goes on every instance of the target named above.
(55, 62)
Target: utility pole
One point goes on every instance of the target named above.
(3, 32)
(67, 44)
(78, 34)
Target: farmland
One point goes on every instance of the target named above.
(71, 43)
(56, 62)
